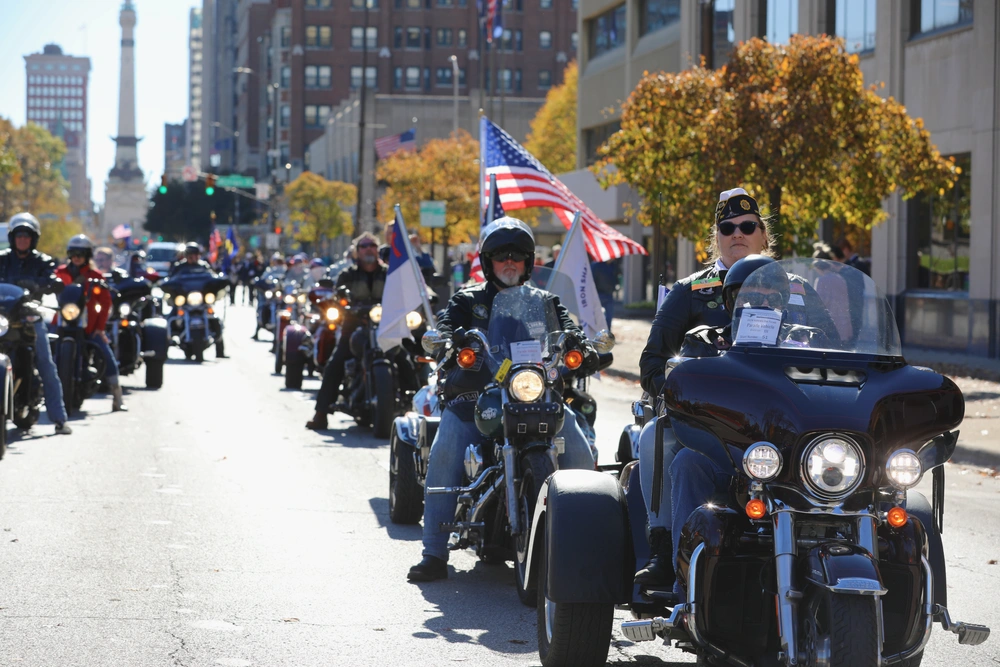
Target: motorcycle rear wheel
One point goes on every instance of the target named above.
(406, 496)
(28, 419)
(293, 376)
(278, 362)
(67, 374)
(154, 374)
(535, 469)
(385, 401)
(841, 630)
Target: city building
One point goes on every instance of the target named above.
(218, 137)
(934, 259)
(253, 120)
(174, 143)
(193, 153)
(57, 100)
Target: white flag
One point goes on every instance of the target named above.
(583, 301)
(403, 293)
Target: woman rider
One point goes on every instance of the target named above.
(80, 269)
(693, 301)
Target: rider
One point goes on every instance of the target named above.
(693, 301)
(192, 261)
(22, 264)
(81, 269)
(365, 280)
(508, 252)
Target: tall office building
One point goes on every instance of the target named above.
(195, 87)
(174, 141)
(57, 100)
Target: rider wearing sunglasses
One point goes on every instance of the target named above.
(695, 301)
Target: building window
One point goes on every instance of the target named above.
(357, 37)
(463, 38)
(545, 4)
(318, 4)
(545, 39)
(371, 78)
(286, 39)
(360, 4)
(574, 41)
(445, 3)
(593, 138)
(517, 80)
(506, 80)
(427, 78)
(723, 34)
(443, 76)
(397, 77)
(397, 37)
(443, 37)
(427, 38)
(319, 36)
(286, 115)
(461, 76)
(656, 14)
(413, 4)
(507, 41)
(518, 40)
(413, 38)
(855, 22)
(942, 225)
(544, 79)
(317, 76)
(782, 20)
(412, 77)
(324, 76)
(286, 76)
(607, 31)
(311, 115)
(928, 15)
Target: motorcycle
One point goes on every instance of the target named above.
(193, 323)
(518, 413)
(22, 386)
(309, 341)
(293, 301)
(268, 303)
(821, 552)
(137, 339)
(78, 361)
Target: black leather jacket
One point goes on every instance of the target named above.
(183, 266)
(366, 286)
(36, 267)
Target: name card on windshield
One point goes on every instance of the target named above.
(526, 352)
(759, 325)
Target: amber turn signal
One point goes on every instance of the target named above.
(897, 517)
(124, 323)
(573, 359)
(466, 357)
(756, 509)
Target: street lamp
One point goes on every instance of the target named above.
(454, 91)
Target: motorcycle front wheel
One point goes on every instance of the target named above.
(841, 630)
(67, 374)
(406, 496)
(385, 401)
(535, 469)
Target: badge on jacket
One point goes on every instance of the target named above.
(706, 284)
(481, 311)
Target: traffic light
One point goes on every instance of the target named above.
(163, 184)
(210, 185)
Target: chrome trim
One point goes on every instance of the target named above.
(853, 586)
(805, 475)
(434, 490)
(536, 522)
(763, 443)
(784, 565)
(691, 613)
(867, 536)
(510, 469)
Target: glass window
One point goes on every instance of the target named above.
(312, 35)
(427, 38)
(782, 20)
(312, 76)
(507, 42)
(414, 4)
(545, 39)
(461, 76)
(397, 77)
(855, 22)
(311, 119)
(607, 31)
(506, 79)
(370, 79)
(545, 4)
(397, 37)
(518, 40)
(463, 39)
(357, 37)
(593, 139)
(325, 36)
(445, 3)
(412, 77)
(942, 225)
(360, 4)
(443, 37)
(656, 14)
(286, 37)
(723, 33)
(413, 38)
(574, 40)
(517, 80)
(544, 79)
(443, 76)
(286, 76)
(324, 76)
(930, 15)
(286, 114)
(318, 4)
(427, 78)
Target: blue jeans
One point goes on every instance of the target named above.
(447, 468)
(51, 386)
(608, 304)
(647, 464)
(110, 363)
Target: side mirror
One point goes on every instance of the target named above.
(604, 341)
(432, 341)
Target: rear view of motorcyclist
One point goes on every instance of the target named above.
(80, 269)
(23, 265)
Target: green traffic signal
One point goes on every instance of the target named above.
(163, 189)
(210, 191)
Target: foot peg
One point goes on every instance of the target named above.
(649, 629)
(969, 634)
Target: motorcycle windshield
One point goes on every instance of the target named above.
(814, 304)
(10, 295)
(521, 320)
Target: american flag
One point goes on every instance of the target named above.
(476, 268)
(405, 141)
(214, 243)
(523, 182)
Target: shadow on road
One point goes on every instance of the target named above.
(981, 396)
(403, 533)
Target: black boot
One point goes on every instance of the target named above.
(659, 571)
(429, 569)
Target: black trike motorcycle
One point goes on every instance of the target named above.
(138, 338)
(193, 323)
(820, 553)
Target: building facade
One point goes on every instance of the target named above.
(196, 53)
(57, 100)
(174, 142)
(934, 258)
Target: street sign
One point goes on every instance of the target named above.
(235, 181)
(432, 213)
(272, 241)
(189, 174)
(263, 191)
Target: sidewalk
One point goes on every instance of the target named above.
(977, 377)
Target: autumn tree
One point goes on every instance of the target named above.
(553, 129)
(443, 169)
(56, 233)
(30, 178)
(318, 207)
(792, 123)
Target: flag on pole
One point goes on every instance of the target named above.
(232, 244)
(405, 141)
(404, 291)
(493, 211)
(582, 300)
(214, 243)
(523, 182)
(494, 20)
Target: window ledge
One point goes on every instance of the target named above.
(925, 293)
(607, 60)
(658, 39)
(939, 32)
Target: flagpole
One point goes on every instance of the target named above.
(569, 236)
(493, 199)
(482, 160)
(401, 227)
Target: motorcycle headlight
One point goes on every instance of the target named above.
(762, 462)
(210, 298)
(414, 319)
(289, 299)
(268, 294)
(375, 314)
(4, 325)
(70, 311)
(302, 298)
(527, 386)
(179, 300)
(124, 310)
(332, 314)
(904, 469)
(833, 466)
(195, 299)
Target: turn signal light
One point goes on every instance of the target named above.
(180, 313)
(331, 326)
(343, 302)
(466, 357)
(97, 290)
(425, 360)
(897, 517)
(124, 323)
(573, 359)
(211, 312)
(756, 509)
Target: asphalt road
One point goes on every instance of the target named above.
(206, 526)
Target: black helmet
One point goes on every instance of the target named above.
(738, 274)
(192, 248)
(506, 235)
(80, 242)
(24, 222)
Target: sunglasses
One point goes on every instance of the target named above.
(511, 256)
(747, 227)
(77, 253)
(362, 246)
(758, 300)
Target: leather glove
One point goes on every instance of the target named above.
(591, 361)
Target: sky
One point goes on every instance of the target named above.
(90, 28)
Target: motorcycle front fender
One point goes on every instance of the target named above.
(293, 336)
(407, 429)
(843, 568)
(155, 337)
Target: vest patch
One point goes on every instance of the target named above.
(481, 311)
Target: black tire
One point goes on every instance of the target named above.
(29, 419)
(535, 469)
(384, 410)
(406, 496)
(278, 362)
(199, 356)
(571, 634)
(154, 374)
(3, 426)
(67, 374)
(220, 349)
(844, 627)
(293, 376)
